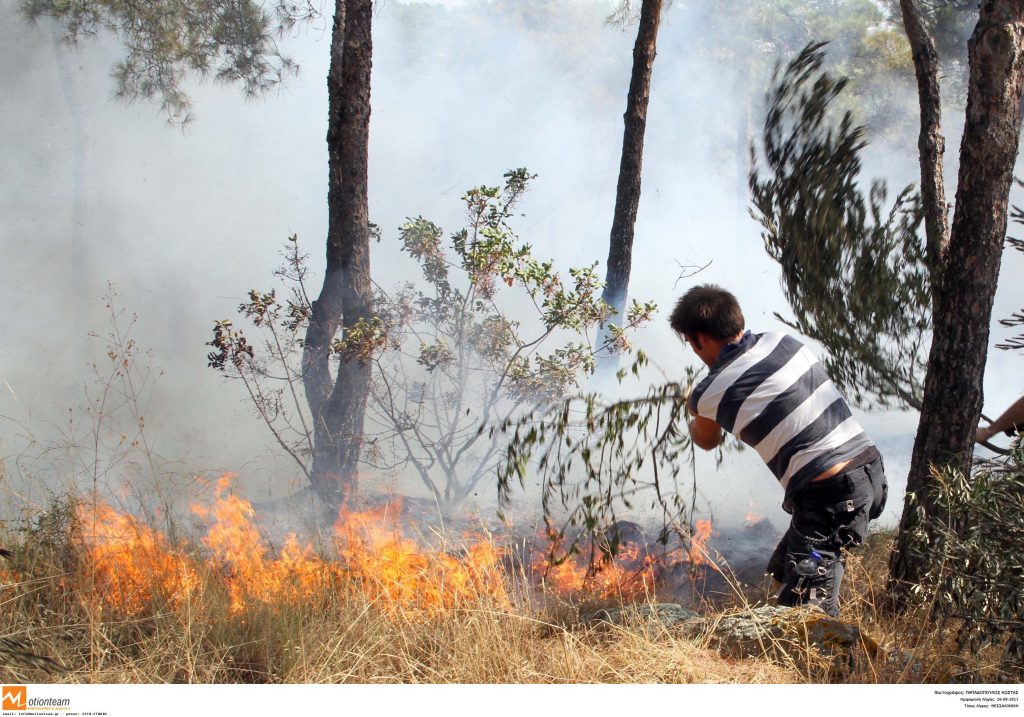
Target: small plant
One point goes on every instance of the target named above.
(972, 542)
(105, 443)
(488, 331)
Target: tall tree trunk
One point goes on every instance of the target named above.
(963, 308)
(339, 407)
(627, 195)
(931, 144)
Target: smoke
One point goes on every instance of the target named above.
(184, 222)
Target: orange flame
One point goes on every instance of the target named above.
(629, 574)
(698, 552)
(251, 574)
(132, 564)
(392, 570)
(135, 565)
(612, 579)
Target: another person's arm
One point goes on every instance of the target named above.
(1012, 416)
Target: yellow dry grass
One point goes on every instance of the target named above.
(348, 635)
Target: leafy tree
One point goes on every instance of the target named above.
(481, 363)
(449, 359)
(168, 41)
(854, 271)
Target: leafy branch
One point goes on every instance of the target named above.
(594, 458)
(856, 275)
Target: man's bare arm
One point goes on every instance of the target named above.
(705, 433)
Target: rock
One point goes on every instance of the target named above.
(784, 635)
(804, 636)
(668, 614)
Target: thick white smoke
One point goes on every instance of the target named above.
(183, 223)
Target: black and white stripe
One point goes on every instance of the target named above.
(775, 395)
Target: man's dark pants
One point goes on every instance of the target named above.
(828, 516)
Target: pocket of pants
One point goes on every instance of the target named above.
(854, 531)
(847, 507)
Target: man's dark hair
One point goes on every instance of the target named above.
(708, 309)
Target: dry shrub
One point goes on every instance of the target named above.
(913, 647)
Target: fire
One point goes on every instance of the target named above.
(394, 571)
(628, 574)
(131, 564)
(633, 572)
(251, 573)
(610, 579)
(698, 551)
(134, 565)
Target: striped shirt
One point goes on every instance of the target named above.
(772, 392)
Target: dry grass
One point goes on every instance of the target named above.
(54, 607)
(341, 635)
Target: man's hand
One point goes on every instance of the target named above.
(705, 433)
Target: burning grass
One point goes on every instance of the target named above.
(113, 600)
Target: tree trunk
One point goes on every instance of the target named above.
(963, 308)
(627, 195)
(339, 407)
(931, 144)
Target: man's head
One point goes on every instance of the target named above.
(708, 317)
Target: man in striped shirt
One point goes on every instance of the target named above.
(770, 391)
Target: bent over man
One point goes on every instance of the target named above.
(770, 391)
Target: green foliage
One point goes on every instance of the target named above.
(168, 41)
(450, 357)
(482, 363)
(854, 273)
(972, 540)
